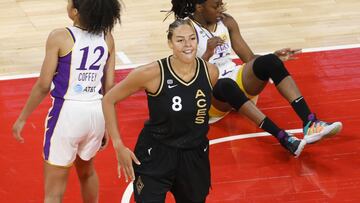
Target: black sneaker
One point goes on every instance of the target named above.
(293, 144)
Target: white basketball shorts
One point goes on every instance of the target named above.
(73, 128)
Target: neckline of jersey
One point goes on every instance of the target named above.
(204, 29)
(178, 78)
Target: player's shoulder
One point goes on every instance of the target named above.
(213, 72)
(59, 33)
(57, 38)
(148, 70)
(212, 68)
(228, 20)
(146, 76)
(227, 17)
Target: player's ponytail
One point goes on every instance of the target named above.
(98, 16)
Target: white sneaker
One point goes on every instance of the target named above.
(316, 130)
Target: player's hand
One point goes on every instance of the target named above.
(104, 141)
(287, 54)
(16, 130)
(125, 158)
(213, 42)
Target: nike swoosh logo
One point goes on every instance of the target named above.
(226, 72)
(205, 148)
(171, 86)
(297, 100)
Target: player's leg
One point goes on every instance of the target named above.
(87, 149)
(183, 199)
(55, 180)
(227, 90)
(149, 189)
(154, 176)
(59, 151)
(89, 181)
(260, 70)
(58, 160)
(192, 182)
(219, 109)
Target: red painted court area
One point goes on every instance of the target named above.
(253, 169)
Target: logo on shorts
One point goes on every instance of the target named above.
(139, 185)
(226, 72)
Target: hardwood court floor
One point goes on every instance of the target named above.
(245, 168)
(266, 25)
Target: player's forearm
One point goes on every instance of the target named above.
(207, 55)
(37, 95)
(111, 122)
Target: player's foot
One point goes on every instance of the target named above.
(315, 130)
(293, 144)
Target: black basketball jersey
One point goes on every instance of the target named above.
(178, 110)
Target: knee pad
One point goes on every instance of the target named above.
(270, 66)
(226, 90)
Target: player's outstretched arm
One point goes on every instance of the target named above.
(139, 79)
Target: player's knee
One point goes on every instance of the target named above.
(54, 193)
(270, 66)
(226, 90)
(53, 198)
(85, 175)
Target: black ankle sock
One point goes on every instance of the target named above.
(301, 109)
(272, 128)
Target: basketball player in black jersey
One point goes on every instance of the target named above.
(172, 151)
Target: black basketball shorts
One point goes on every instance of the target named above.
(183, 172)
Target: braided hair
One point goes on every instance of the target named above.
(184, 8)
(98, 16)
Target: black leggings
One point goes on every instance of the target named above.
(270, 66)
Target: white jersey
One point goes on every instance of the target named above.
(221, 57)
(80, 73)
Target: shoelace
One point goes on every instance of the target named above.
(314, 127)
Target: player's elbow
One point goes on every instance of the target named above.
(107, 101)
(108, 86)
(42, 87)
